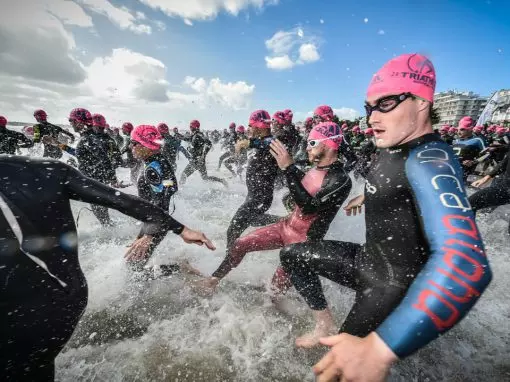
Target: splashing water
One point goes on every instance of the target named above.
(160, 330)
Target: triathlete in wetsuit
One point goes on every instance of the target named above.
(43, 291)
(498, 193)
(198, 148)
(423, 266)
(156, 183)
(110, 145)
(260, 177)
(468, 147)
(43, 128)
(93, 158)
(10, 140)
(318, 195)
(229, 144)
(172, 146)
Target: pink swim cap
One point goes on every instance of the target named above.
(260, 119)
(326, 130)
(356, 129)
(147, 136)
(280, 118)
(500, 130)
(3, 121)
(408, 73)
(241, 129)
(324, 112)
(452, 130)
(478, 129)
(444, 128)
(466, 123)
(288, 115)
(369, 131)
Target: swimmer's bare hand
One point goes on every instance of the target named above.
(280, 153)
(139, 249)
(355, 359)
(355, 205)
(480, 182)
(205, 287)
(196, 237)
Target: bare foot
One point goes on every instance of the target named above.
(205, 287)
(186, 267)
(311, 340)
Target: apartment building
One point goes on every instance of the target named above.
(453, 105)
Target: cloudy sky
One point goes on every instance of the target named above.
(149, 61)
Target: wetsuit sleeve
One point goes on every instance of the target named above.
(62, 131)
(457, 270)
(335, 188)
(23, 141)
(88, 190)
(500, 167)
(67, 149)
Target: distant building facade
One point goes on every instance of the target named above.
(451, 106)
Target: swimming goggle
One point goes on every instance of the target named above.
(315, 142)
(387, 104)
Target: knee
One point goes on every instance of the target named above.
(288, 257)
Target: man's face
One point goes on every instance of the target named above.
(139, 151)
(315, 154)
(393, 127)
(465, 133)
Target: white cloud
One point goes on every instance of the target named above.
(205, 9)
(308, 53)
(321, 21)
(68, 12)
(128, 75)
(365, 20)
(232, 95)
(122, 17)
(279, 62)
(381, 32)
(346, 113)
(34, 43)
(342, 113)
(188, 22)
(160, 25)
(291, 48)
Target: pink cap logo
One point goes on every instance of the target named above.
(420, 64)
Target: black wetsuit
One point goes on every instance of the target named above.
(10, 141)
(43, 129)
(94, 162)
(260, 177)
(43, 291)
(171, 148)
(198, 148)
(111, 147)
(230, 143)
(422, 243)
(498, 193)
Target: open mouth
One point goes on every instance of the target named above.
(378, 131)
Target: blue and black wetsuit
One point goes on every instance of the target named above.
(43, 291)
(468, 149)
(156, 184)
(423, 265)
